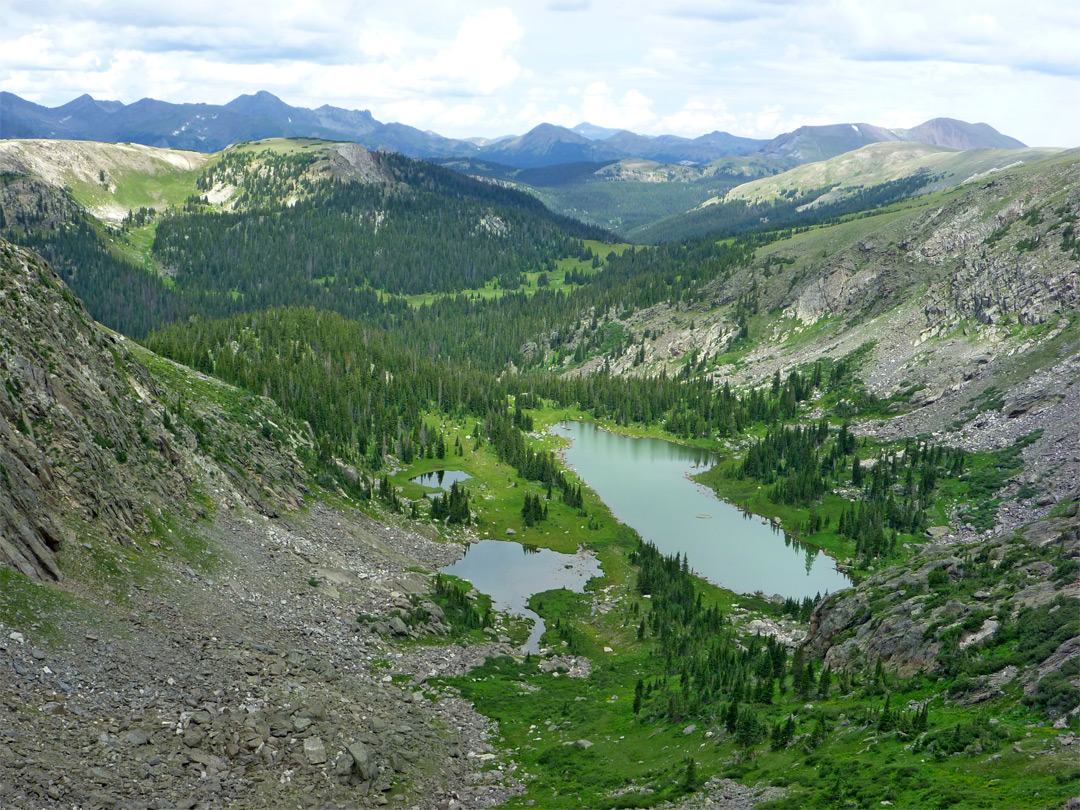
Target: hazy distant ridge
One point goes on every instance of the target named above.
(211, 127)
(807, 144)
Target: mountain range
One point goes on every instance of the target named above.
(211, 127)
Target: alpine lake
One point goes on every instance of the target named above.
(647, 485)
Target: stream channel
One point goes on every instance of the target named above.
(646, 483)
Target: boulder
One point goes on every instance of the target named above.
(433, 610)
(138, 736)
(363, 761)
(314, 751)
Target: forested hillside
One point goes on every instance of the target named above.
(289, 228)
(432, 230)
(796, 208)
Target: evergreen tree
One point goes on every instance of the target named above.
(690, 777)
(824, 682)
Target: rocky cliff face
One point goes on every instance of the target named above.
(997, 252)
(913, 621)
(1012, 250)
(90, 442)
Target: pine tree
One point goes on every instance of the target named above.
(690, 778)
(747, 728)
(527, 510)
(806, 684)
(824, 682)
(887, 721)
(798, 670)
(731, 717)
(922, 721)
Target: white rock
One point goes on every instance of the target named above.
(314, 751)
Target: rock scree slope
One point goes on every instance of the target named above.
(201, 646)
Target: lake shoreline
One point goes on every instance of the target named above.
(845, 569)
(717, 551)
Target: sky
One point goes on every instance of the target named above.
(750, 67)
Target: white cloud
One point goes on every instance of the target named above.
(702, 115)
(633, 110)
(696, 117)
(719, 11)
(752, 67)
(439, 115)
(379, 43)
(532, 114)
(479, 60)
(993, 32)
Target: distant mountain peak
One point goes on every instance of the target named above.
(545, 128)
(76, 103)
(959, 135)
(814, 143)
(262, 103)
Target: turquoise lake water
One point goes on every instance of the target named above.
(645, 483)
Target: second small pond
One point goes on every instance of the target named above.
(510, 573)
(441, 479)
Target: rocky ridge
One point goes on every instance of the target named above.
(195, 641)
(61, 163)
(875, 163)
(100, 176)
(88, 443)
(893, 616)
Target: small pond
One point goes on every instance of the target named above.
(441, 479)
(510, 573)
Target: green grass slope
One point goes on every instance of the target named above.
(109, 179)
(881, 162)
